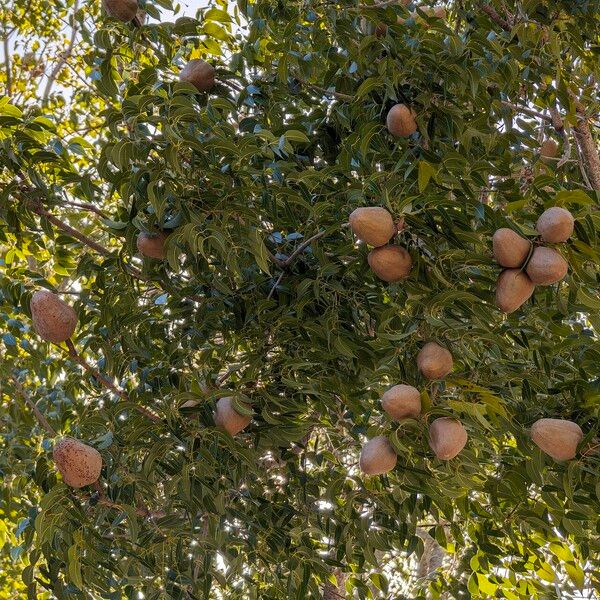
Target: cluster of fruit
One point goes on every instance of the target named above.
(375, 226)
(526, 264)
(447, 436)
(79, 464)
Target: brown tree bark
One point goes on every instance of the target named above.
(588, 149)
(335, 592)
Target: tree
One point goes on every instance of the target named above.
(264, 297)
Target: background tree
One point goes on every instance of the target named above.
(265, 297)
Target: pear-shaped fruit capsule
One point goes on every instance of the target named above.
(124, 10)
(373, 225)
(555, 225)
(513, 289)
(53, 319)
(558, 438)
(433, 361)
(227, 418)
(377, 456)
(199, 73)
(402, 402)
(390, 263)
(510, 249)
(401, 121)
(447, 437)
(546, 266)
(152, 245)
(78, 463)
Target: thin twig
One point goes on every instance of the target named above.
(41, 419)
(566, 155)
(63, 56)
(593, 449)
(140, 512)
(323, 90)
(527, 111)
(381, 4)
(105, 381)
(272, 290)
(288, 261)
(7, 64)
(274, 259)
(86, 206)
(333, 93)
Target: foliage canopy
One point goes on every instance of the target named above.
(264, 296)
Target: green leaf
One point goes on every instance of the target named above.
(296, 136)
(74, 565)
(367, 85)
(426, 172)
(258, 248)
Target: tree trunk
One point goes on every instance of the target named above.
(588, 150)
(335, 592)
(432, 557)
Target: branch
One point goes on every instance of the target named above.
(587, 147)
(86, 206)
(7, 65)
(284, 264)
(41, 419)
(288, 261)
(335, 94)
(527, 111)
(335, 591)
(323, 90)
(272, 290)
(491, 12)
(71, 231)
(105, 381)
(63, 56)
(104, 501)
(382, 4)
(559, 124)
(274, 259)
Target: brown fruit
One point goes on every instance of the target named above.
(227, 418)
(447, 437)
(402, 402)
(401, 121)
(78, 463)
(53, 319)
(510, 249)
(513, 288)
(377, 456)
(546, 266)
(199, 73)
(124, 10)
(558, 438)
(152, 245)
(381, 30)
(390, 263)
(433, 361)
(555, 225)
(372, 224)
(548, 149)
